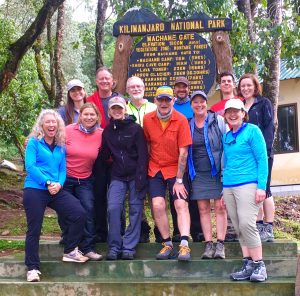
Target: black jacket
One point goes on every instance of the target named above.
(261, 114)
(124, 141)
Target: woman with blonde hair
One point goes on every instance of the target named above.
(45, 164)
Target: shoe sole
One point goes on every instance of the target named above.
(219, 257)
(34, 281)
(240, 279)
(72, 260)
(184, 259)
(257, 280)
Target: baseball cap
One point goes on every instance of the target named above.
(74, 82)
(198, 93)
(182, 79)
(235, 104)
(164, 91)
(117, 101)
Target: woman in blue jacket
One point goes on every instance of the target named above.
(261, 113)
(244, 186)
(124, 141)
(204, 163)
(45, 163)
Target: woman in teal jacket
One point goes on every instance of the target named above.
(244, 182)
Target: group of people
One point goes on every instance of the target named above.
(83, 159)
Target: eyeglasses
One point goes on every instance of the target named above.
(164, 99)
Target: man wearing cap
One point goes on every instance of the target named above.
(139, 106)
(168, 136)
(105, 84)
(183, 105)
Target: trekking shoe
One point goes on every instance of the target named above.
(176, 238)
(75, 256)
(165, 253)
(245, 272)
(209, 251)
(220, 251)
(112, 256)
(127, 256)
(267, 234)
(184, 253)
(33, 275)
(259, 273)
(93, 256)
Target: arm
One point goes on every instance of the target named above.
(269, 128)
(179, 188)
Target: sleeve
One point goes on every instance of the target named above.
(62, 167)
(268, 122)
(142, 165)
(184, 137)
(31, 162)
(259, 150)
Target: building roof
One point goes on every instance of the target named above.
(287, 72)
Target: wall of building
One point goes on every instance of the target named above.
(286, 168)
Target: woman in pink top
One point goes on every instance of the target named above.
(83, 141)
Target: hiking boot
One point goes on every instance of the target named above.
(127, 256)
(267, 234)
(259, 273)
(245, 272)
(112, 256)
(184, 253)
(75, 256)
(33, 275)
(209, 251)
(165, 253)
(220, 251)
(93, 256)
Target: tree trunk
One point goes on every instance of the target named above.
(272, 77)
(121, 61)
(40, 68)
(60, 27)
(21, 46)
(99, 33)
(51, 59)
(222, 50)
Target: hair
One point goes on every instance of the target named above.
(104, 68)
(38, 132)
(69, 107)
(132, 78)
(226, 73)
(90, 105)
(257, 87)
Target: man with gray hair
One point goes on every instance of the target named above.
(139, 106)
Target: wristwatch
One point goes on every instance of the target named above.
(179, 180)
(48, 182)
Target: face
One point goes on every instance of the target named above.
(181, 91)
(104, 81)
(136, 89)
(199, 106)
(77, 93)
(247, 88)
(88, 117)
(117, 112)
(49, 126)
(234, 117)
(164, 105)
(227, 85)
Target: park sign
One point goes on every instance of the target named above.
(171, 49)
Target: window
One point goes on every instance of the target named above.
(286, 140)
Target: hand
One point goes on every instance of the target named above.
(54, 188)
(180, 190)
(260, 196)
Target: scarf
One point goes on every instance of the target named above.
(182, 101)
(88, 130)
(164, 117)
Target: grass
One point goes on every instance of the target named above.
(12, 245)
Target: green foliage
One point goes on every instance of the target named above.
(12, 245)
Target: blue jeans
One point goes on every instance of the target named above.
(67, 207)
(82, 189)
(116, 200)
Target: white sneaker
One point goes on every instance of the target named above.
(93, 256)
(33, 275)
(75, 256)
